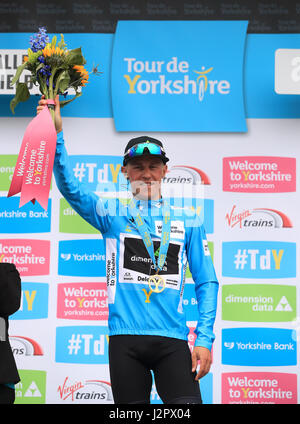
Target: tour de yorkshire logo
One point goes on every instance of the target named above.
(164, 83)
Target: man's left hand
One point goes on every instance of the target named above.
(203, 355)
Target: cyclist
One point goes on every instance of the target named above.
(148, 245)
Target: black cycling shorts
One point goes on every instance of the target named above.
(131, 359)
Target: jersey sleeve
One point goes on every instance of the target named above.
(84, 201)
(206, 283)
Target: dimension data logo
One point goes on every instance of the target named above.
(258, 303)
(259, 346)
(71, 222)
(259, 259)
(82, 258)
(82, 345)
(191, 86)
(32, 387)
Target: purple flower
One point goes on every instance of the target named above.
(39, 40)
(45, 71)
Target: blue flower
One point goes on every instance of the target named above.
(39, 40)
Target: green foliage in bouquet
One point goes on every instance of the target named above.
(53, 67)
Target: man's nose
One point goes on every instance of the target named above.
(146, 173)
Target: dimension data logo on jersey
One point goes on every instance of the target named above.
(81, 258)
(82, 345)
(30, 219)
(259, 174)
(34, 301)
(31, 257)
(259, 346)
(99, 173)
(259, 387)
(259, 259)
(179, 76)
(259, 303)
(84, 301)
(256, 218)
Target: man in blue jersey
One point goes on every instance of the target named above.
(148, 245)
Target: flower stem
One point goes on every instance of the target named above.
(51, 93)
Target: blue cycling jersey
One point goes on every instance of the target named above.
(133, 307)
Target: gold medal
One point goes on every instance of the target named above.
(156, 283)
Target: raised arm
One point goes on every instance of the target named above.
(84, 201)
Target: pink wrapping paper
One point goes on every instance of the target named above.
(33, 171)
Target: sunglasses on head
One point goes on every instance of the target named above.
(138, 150)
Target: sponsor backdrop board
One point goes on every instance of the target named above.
(234, 151)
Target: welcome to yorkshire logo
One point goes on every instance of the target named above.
(172, 77)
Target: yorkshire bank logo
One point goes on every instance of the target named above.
(85, 391)
(30, 219)
(259, 346)
(82, 258)
(31, 257)
(259, 174)
(25, 346)
(256, 218)
(259, 387)
(83, 301)
(191, 86)
(190, 304)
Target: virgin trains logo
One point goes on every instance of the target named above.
(257, 218)
(85, 391)
(25, 346)
(183, 174)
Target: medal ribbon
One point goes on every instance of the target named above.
(145, 233)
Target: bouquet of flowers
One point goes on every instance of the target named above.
(53, 67)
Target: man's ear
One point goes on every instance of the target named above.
(124, 171)
(165, 170)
